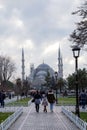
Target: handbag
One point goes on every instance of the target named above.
(33, 100)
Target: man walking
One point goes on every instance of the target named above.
(51, 99)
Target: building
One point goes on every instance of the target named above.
(37, 75)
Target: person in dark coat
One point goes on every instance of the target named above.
(2, 98)
(82, 98)
(86, 97)
(37, 99)
(51, 99)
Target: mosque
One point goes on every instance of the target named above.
(37, 75)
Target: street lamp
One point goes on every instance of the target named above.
(56, 75)
(76, 52)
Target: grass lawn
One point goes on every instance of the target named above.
(66, 101)
(21, 102)
(4, 116)
(83, 116)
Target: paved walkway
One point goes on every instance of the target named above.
(30, 120)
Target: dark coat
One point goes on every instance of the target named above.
(37, 98)
(0, 96)
(51, 97)
(82, 98)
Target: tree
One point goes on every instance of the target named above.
(71, 81)
(82, 79)
(61, 83)
(7, 67)
(48, 80)
(26, 87)
(18, 87)
(82, 76)
(53, 83)
(79, 35)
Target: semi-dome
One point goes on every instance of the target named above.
(41, 73)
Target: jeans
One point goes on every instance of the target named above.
(2, 103)
(51, 106)
(37, 107)
(83, 104)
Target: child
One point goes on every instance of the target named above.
(45, 103)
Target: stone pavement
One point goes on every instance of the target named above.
(30, 120)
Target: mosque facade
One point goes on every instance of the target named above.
(38, 75)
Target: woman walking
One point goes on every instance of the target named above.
(37, 99)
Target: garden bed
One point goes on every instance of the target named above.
(4, 116)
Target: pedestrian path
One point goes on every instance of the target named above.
(30, 120)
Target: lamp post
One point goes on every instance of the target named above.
(56, 75)
(76, 52)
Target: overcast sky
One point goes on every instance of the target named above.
(39, 26)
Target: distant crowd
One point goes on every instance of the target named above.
(46, 97)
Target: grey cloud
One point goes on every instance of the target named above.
(40, 18)
(44, 21)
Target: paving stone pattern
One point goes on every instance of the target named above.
(30, 120)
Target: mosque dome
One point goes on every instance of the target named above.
(43, 66)
(42, 69)
(40, 73)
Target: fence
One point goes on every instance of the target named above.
(79, 123)
(8, 122)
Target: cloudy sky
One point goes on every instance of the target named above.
(39, 26)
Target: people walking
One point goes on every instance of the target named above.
(37, 99)
(51, 99)
(45, 103)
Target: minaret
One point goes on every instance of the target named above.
(31, 68)
(60, 65)
(23, 67)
